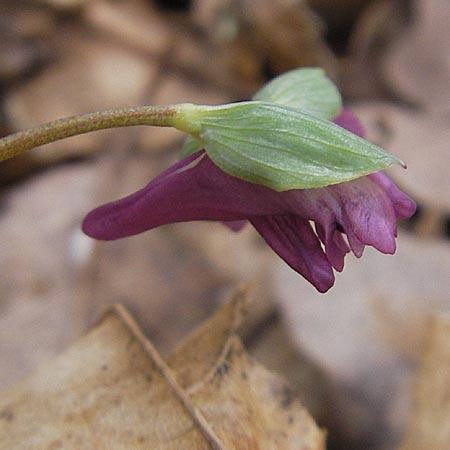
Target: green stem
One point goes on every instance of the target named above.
(162, 116)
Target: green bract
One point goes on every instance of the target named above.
(190, 146)
(307, 89)
(280, 147)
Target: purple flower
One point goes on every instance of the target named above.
(365, 210)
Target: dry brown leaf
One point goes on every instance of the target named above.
(429, 427)
(205, 354)
(112, 391)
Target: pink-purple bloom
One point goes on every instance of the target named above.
(365, 210)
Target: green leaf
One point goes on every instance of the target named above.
(281, 147)
(307, 89)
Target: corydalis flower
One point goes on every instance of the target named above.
(365, 210)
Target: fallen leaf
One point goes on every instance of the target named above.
(111, 390)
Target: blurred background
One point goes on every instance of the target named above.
(353, 353)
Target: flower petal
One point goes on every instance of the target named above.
(335, 246)
(404, 206)
(192, 189)
(360, 207)
(293, 239)
(367, 215)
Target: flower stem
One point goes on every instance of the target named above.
(162, 116)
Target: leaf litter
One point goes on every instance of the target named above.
(111, 390)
